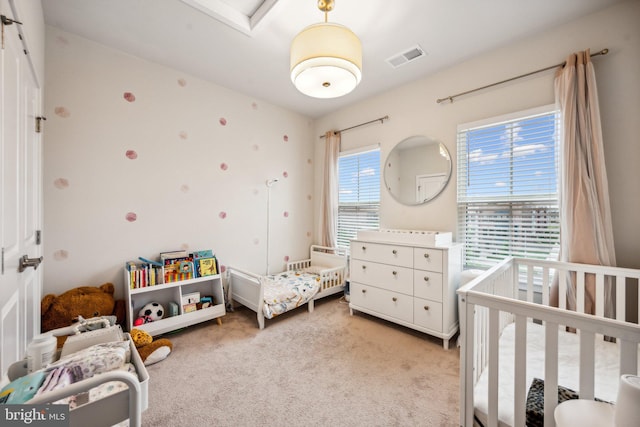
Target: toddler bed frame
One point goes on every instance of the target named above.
(504, 297)
(246, 288)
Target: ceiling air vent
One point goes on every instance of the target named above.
(407, 56)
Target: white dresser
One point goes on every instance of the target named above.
(409, 284)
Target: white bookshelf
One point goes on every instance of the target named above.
(164, 293)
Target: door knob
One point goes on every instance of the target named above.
(26, 262)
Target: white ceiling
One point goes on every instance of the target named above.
(176, 34)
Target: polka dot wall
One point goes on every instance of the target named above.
(141, 159)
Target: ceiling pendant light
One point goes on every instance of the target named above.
(326, 58)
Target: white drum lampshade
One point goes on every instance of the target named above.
(326, 60)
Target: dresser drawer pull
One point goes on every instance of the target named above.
(426, 256)
(364, 267)
(395, 273)
(364, 248)
(394, 299)
(364, 291)
(426, 307)
(426, 278)
(394, 252)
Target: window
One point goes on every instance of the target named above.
(359, 193)
(508, 187)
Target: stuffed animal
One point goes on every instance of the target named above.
(151, 312)
(85, 301)
(150, 351)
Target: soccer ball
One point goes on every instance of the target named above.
(152, 311)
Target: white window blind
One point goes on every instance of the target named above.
(508, 188)
(359, 194)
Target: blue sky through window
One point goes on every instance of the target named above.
(516, 159)
(359, 178)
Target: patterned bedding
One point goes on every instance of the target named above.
(288, 290)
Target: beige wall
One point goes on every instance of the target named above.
(178, 190)
(413, 110)
(201, 152)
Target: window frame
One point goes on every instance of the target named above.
(543, 203)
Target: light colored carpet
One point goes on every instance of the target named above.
(304, 369)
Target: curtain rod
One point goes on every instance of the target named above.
(451, 98)
(381, 120)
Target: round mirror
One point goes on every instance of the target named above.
(417, 170)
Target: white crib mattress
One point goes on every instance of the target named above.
(606, 368)
(288, 290)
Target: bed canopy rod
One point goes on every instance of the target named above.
(381, 120)
(452, 97)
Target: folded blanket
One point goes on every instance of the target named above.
(22, 389)
(99, 392)
(94, 360)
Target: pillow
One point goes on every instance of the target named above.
(535, 401)
(314, 269)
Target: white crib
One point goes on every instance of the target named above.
(512, 300)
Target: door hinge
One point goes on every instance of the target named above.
(6, 21)
(39, 120)
(38, 237)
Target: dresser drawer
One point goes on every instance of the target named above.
(427, 284)
(390, 277)
(386, 254)
(427, 259)
(389, 303)
(427, 314)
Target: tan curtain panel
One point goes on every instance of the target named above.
(329, 201)
(586, 233)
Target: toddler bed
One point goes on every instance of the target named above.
(304, 281)
(111, 385)
(513, 346)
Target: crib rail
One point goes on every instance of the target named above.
(517, 290)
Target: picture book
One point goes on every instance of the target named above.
(170, 257)
(208, 253)
(207, 267)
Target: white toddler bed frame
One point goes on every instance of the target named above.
(246, 287)
(499, 298)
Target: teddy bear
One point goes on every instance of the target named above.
(86, 301)
(150, 351)
(77, 303)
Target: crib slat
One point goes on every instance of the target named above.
(620, 298)
(580, 291)
(545, 286)
(494, 336)
(520, 373)
(600, 295)
(550, 372)
(562, 289)
(587, 364)
(628, 357)
(530, 283)
(468, 376)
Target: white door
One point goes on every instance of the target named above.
(20, 197)
(427, 186)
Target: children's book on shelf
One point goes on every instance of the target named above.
(170, 257)
(143, 274)
(206, 267)
(174, 266)
(197, 256)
